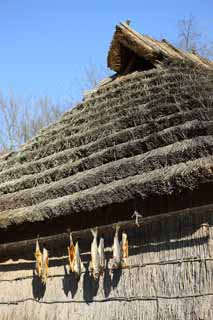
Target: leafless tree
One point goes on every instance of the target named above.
(21, 120)
(191, 40)
(91, 76)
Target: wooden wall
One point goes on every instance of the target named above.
(170, 276)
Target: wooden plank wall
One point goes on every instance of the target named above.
(170, 276)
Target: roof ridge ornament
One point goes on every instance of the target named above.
(128, 22)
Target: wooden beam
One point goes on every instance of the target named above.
(61, 240)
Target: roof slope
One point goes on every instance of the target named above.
(147, 133)
(156, 52)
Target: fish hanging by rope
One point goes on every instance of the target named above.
(38, 256)
(116, 260)
(77, 264)
(45, 266)
(95, 266)
(101, 255)
(71, 254)
(124, 247)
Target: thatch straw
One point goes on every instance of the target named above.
(179, 177)
(128, 130)
(127, 40)
(39, 191)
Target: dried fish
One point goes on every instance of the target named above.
(95, 266)
(125, 247)
(45, 266)
(101, 255)
(38, 256)
(77, 264)
(116, 261)
(71, 254)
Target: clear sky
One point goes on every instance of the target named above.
(46, 44)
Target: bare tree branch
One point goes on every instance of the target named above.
(191, 40)
(91, 76)
(20, 121)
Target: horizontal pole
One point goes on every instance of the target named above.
(61, 240)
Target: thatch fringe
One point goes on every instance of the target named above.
(105, 97)
(38, 190)
(115, 107)
(122, 112)
(135, 132)
(108, 100)
(134, 118)
(170, 104)
(167, 136)
(179, 177)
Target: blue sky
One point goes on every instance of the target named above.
(46, 44)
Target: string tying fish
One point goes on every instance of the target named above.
(137, 215)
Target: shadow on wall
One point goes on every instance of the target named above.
(90, 286)
(38, 287)
(107, 280)
(110, 279)
(70, 284)
(151, 238)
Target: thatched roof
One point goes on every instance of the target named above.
(127, 41)
(143, 140)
